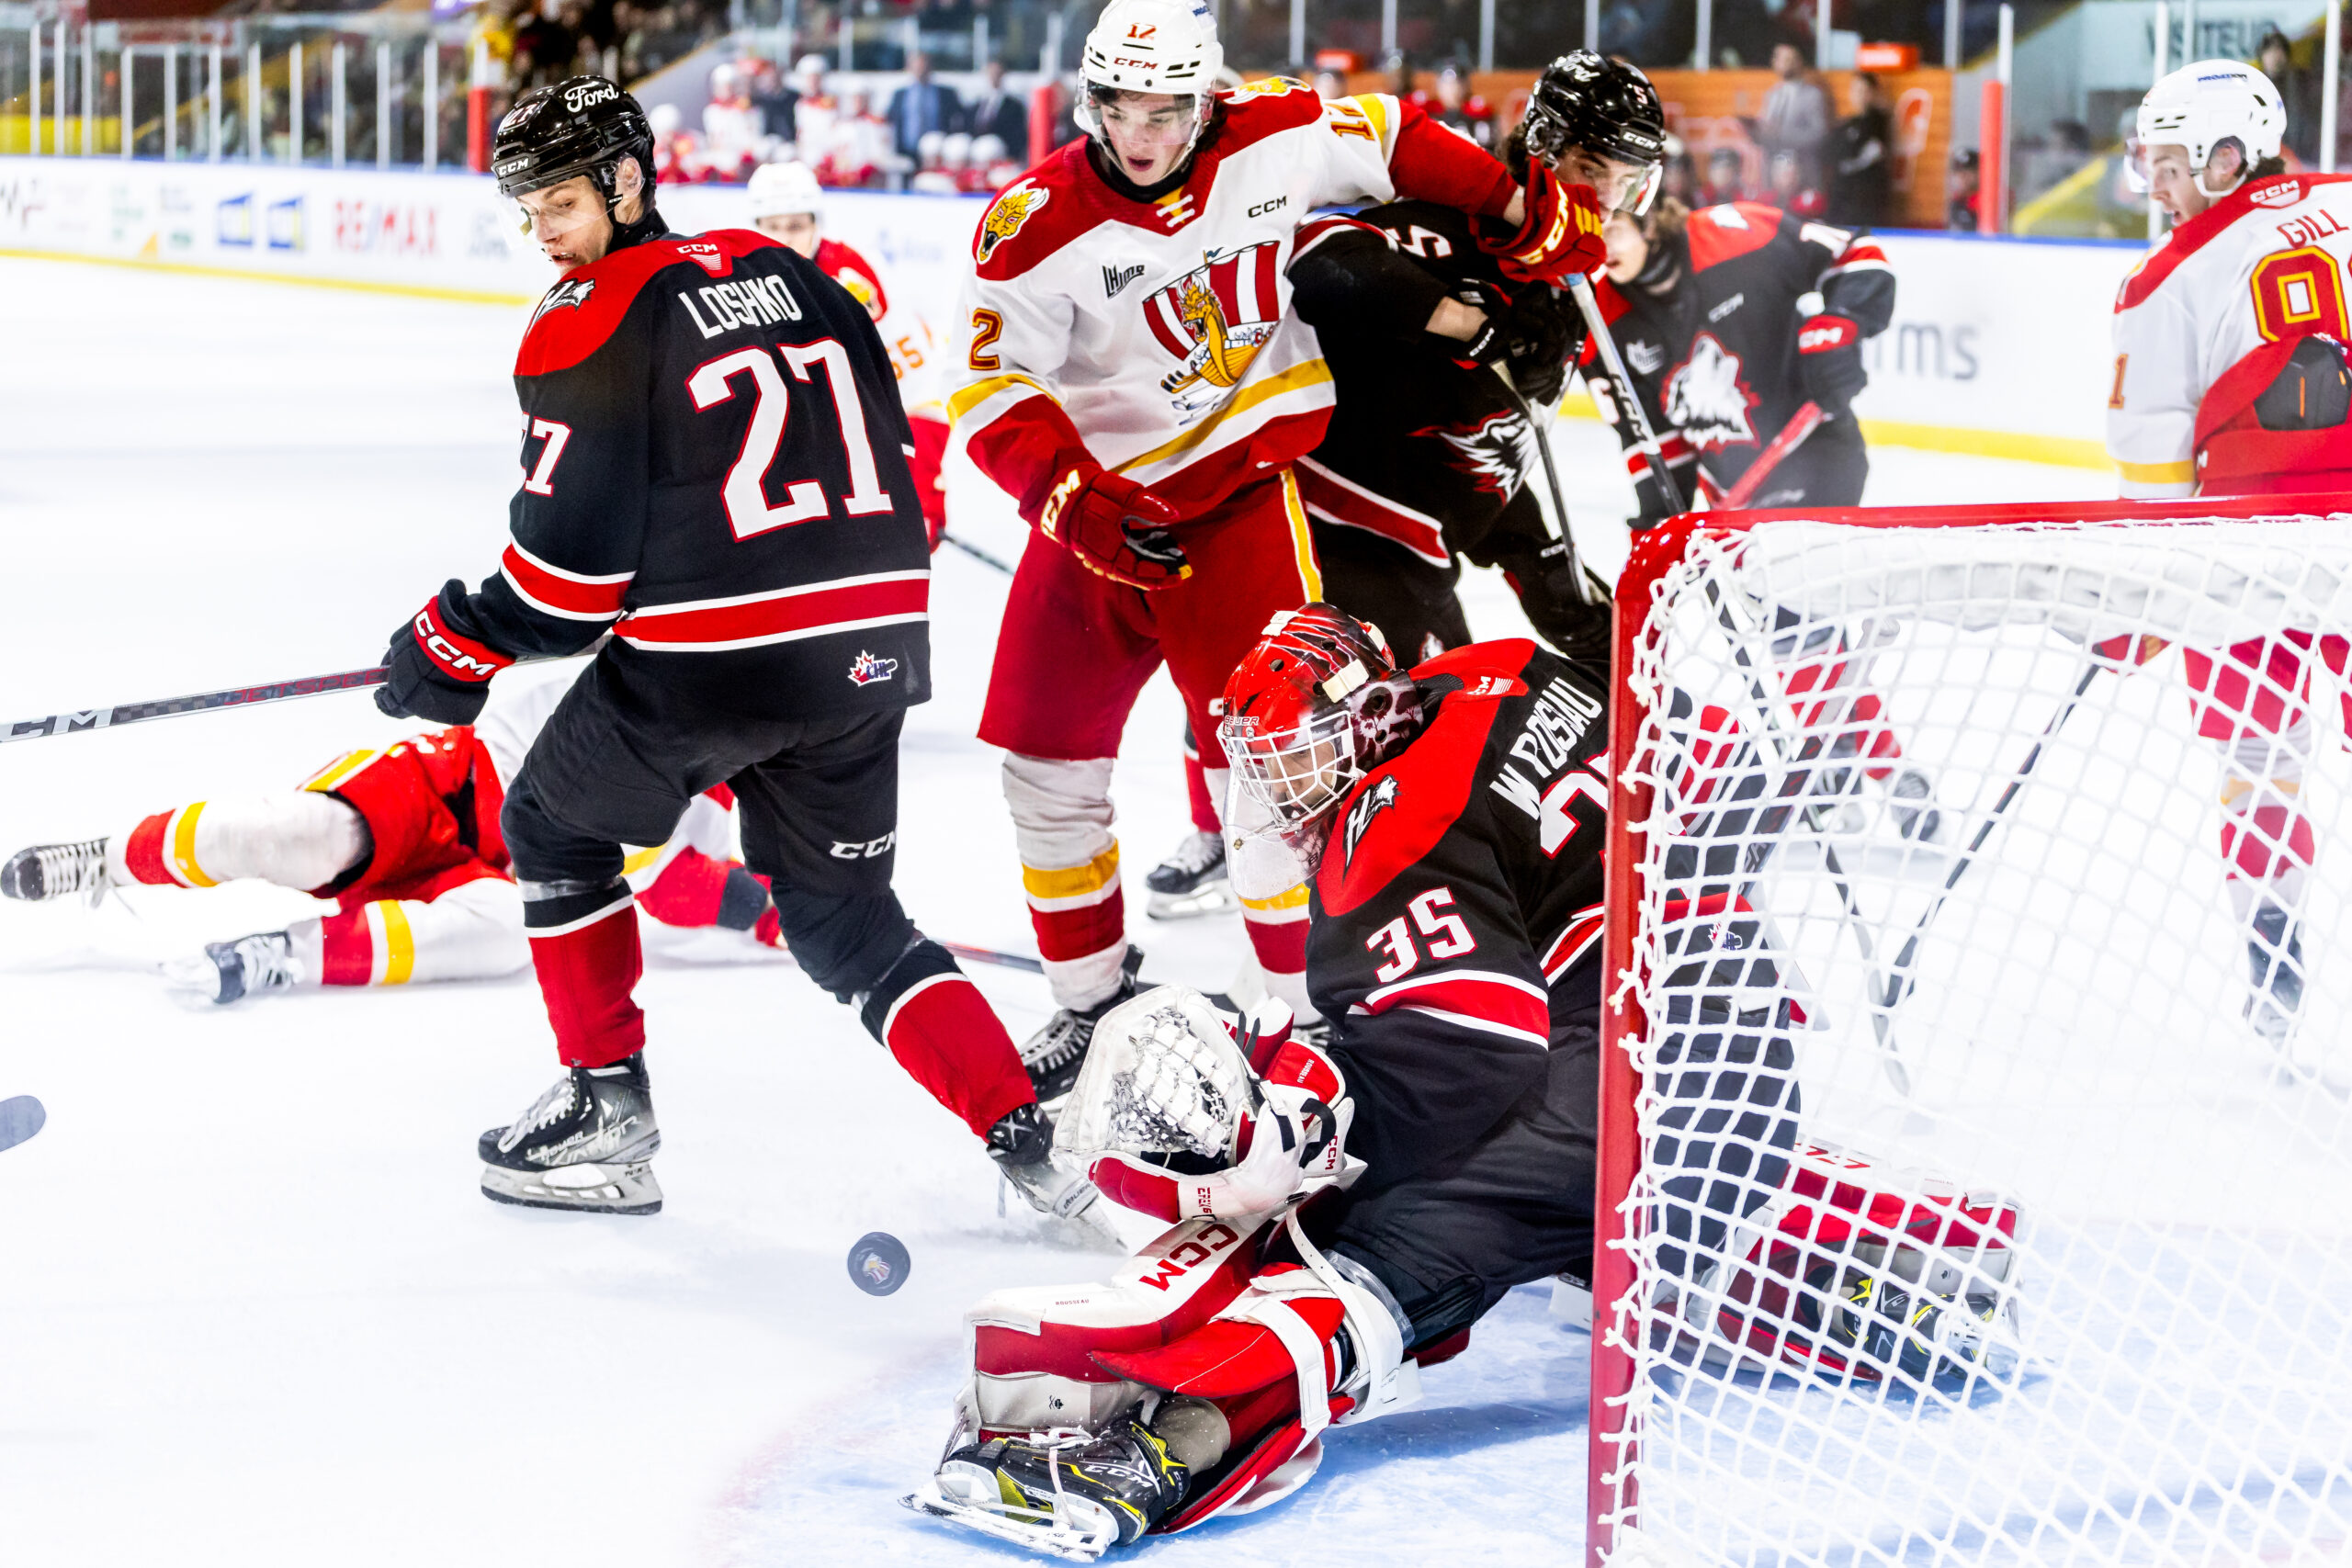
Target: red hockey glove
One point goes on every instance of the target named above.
(436, 672)
(1830, 360)
(1114, 526)
(1559, 235)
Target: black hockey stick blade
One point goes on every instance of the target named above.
(989, 956)
(80, 722)
(975, 551)
(20, 1117)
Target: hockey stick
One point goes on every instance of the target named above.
(1900, 980)
(989, 956)
(1802, 423)
(974, 552)
(77, 723)
(1613, 364)
(1589, 587)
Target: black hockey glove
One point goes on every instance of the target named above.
(1545, 332)
(1568, 608)
(1829, 361)
(436, 672)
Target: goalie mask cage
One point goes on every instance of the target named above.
(1975, 1166)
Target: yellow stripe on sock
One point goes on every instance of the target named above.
(1302, 538)
(399, 944)
(1294, 900)
(184, 847)
(1073, 882)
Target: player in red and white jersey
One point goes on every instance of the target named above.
(787, 203)
(405, 839)
(1130, 375)
(2230, 379)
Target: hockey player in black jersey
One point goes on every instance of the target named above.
(1344, 1212)
(1429, 453)
(1730, 318)
(714, 474)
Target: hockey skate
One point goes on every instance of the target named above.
(58, 871)
(1190, 881)
(230, 971)
(2276, 951)
(1055, 1052)
(1070, 1494)
(587, 1144)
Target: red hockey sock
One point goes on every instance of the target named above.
(586, 974)
(1196, 784)
(950, 1041)
(2267, 842)
(142, 853)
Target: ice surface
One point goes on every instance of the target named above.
(253, 1309)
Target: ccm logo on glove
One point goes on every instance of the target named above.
(461, 656)
(1824, 332)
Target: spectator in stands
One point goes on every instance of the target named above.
(2299, 90)
(813, 109)
(543, 48)
(1002, 113)
(1460, 108)
(921, 107)
(1790, 191)
(1863, 181)
(1796, 113)
(733, 133)
(1961, 187)
(774, 101)
(1724, 182)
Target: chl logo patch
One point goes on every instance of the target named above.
(867, 668)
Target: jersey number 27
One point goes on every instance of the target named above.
(745, 492)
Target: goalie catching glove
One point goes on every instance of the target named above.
(1115, 527)
(436, 672)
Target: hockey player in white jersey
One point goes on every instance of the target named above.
(2231, 379)
(1129, 374)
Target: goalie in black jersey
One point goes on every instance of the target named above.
(714, 474)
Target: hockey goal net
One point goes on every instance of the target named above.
(1976, 1167)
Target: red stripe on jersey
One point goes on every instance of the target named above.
(1583, 930)
(576, 316)
(559, 592)
(1335, 499)
(1270, 306)
(1719, 234)
(1312, 234)
(1164, 326)
(786, 616)
(1500, 999)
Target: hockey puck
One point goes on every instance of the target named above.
(22, 1116)
(879, 1263)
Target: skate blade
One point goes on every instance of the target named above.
(1033, 1527)
(586, 1189)
(1208, 898)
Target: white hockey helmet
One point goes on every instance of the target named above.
(1150, 46)
(2203, 106)
(777, 190)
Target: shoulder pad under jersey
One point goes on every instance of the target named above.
(580, 314)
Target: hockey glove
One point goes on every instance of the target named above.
(1567, 607)
(1558, 237)
(1545, 334)
(1115, 527)
(1829, 361)
(437, 673)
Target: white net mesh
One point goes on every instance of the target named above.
(1991, 1069)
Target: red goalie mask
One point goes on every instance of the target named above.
(1316, 702)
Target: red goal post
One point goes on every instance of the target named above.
(1995, 1152)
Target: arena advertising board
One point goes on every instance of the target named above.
(1989, 336)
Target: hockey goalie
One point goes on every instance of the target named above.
(1343, 1214)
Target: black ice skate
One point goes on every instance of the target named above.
(585, 1144)
(232, 971)
(57, 871)
(1070, 1493)
(2276, 950)
(1055, 1052)
(1190, 881)
(1907, 790)
(1884, 1326)
(1021, 1144)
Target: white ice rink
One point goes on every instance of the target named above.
(253, 1309)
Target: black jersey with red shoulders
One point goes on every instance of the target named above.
(1456, 913)
(1425, 449)
(1711, 341)
(715, 470)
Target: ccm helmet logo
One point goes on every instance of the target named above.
(577, 98)
(868, 850)
(1143, 64)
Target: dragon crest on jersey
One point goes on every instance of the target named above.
(1015, 207)
(1215, 318)
(1496, 452)
(1374, 801)
(568, 295)
(1706, 399)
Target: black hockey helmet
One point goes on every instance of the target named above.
(582, 125)
(1601, 106)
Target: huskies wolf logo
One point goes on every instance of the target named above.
(1376, 800)
(1016, 206)
(1706, 399)
(1215, 318)
(1495, 452)
(569, 295)
(868, 668)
